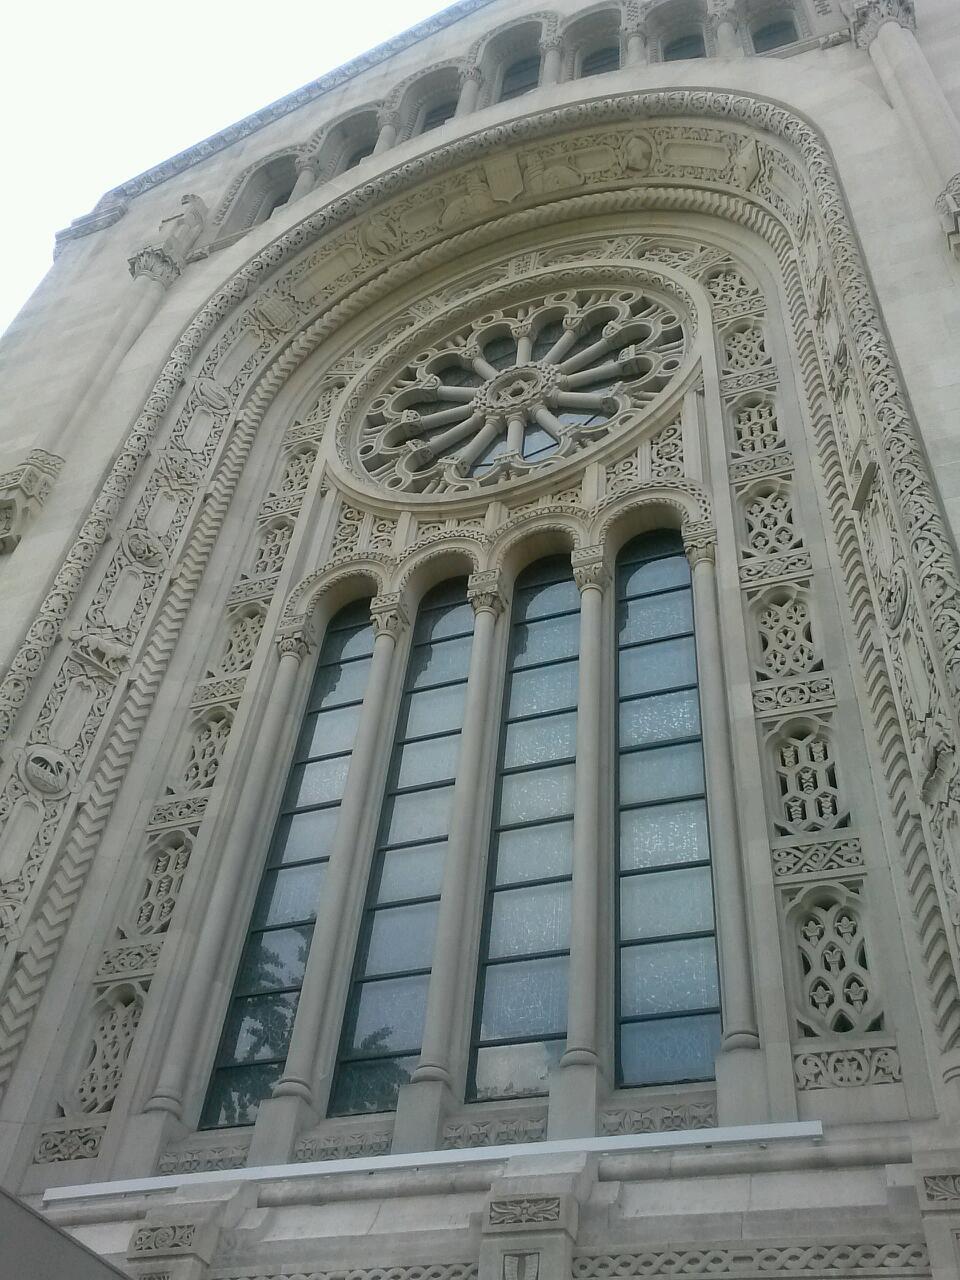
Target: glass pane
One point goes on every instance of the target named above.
(327, 732)
(657, 666)
(654, 575)
(411, 873)
(666, 902)
(337, 684)
(543, 689)
(290, 894)
(236, 1093)
(533, 853)
(530, 920)
(662, 772)
(540, 793)
(338, 646)
(370, 1086)
(541, 641)
(528, 998)
(418, 816)
(516, 1070)
(674, 1049)
(274, 959)
(402, 938)
(317, 783)
(667, 615)
(258, 1027)
(436, 624)
(305, 835)
(536, 741)
(390, 1015)
(664, 833)
(660, 718)
(433, 711)
(663, 976)
(646, 546)
(537, 442)
(433, 760)
(556, 598)
(436, 663)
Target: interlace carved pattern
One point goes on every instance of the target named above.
(807, 778)
(786, 639)
(729, 288)
(847, 1068)
(117, 1016)
(416, 1271)
(519, 389)
(206, 752)
(842, 1261)
(745, 349)
(343, 1146)
(245, 631)
(73, 1143)
(660, 1119)
(836, 986)
(770, 525)
(272, 547)
(822, 856)
(162, 887)
(755, 426)
(296, 473)
(666, 452)
(462, 1134)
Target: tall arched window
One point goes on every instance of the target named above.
(256, 1034)
(385, 1011)
(438, 114)
(668, 998)
(683, 47)
(521, 1004)
(520, 77)
(600, 60)
(774, 35)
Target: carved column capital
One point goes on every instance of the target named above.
(388, 116)
(387, 615)
(590, 568)
(294, 645)
(870, 15)
(156, 264)
(23, 492)
(470, 71)
(549, 42)
(699, 544)
(306, 164)
(484, 592)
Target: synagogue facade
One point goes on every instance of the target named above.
(480, 673)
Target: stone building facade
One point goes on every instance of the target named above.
(481, 665)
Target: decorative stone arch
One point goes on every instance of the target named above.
(426, 567)
(758, 13)
(536, 534)
(323, 593)
(242, 207)
(499, 47)
(330, 148)
(668, 19)
(590, 29)
(413, 97)
(687, 506)
(805, 222)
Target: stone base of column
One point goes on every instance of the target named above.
(576, 1091)
(742, 1096)
(421, 1109)
(144, 1139)
(280, 1121)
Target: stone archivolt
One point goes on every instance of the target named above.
(734, 157)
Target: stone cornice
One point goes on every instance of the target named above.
(108, 207)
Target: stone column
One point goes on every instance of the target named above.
(469, 91)
(389, 122)
(737, 999)
(723, 19)
(575, 1090)
(423, 1101)
(306, 167)
(294, 1102)
(635, 53)
(886, 28)
(234, 871)
(551, 57)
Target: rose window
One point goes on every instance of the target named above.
(521, 389)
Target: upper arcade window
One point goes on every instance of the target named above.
(774, 35)
(598, 61)
(520, 388)
(683, 47)
(358, 155)
(437, 115)
(264, 191)
(520, 77)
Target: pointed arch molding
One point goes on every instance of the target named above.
(739, 158)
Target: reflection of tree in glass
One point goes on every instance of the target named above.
(372, 1086)
(265, 1023)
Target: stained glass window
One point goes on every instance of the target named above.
(521, 1005)
(259, 1022)
(383, 1026)
(667, 981)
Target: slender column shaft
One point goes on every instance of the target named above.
(234, 872)
(550, 66)
(585, 904)
(469, 91)
(636, 52)
(388, 132)
(739, 1015)
(306, 181)
(445, 978)
(344, 867)
(728, 42)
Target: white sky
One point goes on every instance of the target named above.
(93, 93)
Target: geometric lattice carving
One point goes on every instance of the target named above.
(770, 525)
(296, 473)
(272, 547)
(786, 639)
(836, 995)
(158, 897)
(807, 781)
(745, 349)
(206, 751)
(117, 1015)
(666, 452)
(815, 859)
(847, 1068)
(755, 426)
(729, 288)
(245, 630)
(837, 1261)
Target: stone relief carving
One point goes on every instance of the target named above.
(501, 1131)
(524, 1211)
(23, 492)
(662, 1118)
(74, 1143)
(901, 1258)
(845, 1068)
(343, 1146)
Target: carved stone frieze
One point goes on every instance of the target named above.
(69, 1142)
(847, 1067)
(180, 811)
(773, 699)
(163, 1239)
(343, 1145)
(461, 1134)
(524, 1211)
(202, 1159)
(816, 858)
(895, 1259)
(660, 1118)
(941, 1190)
